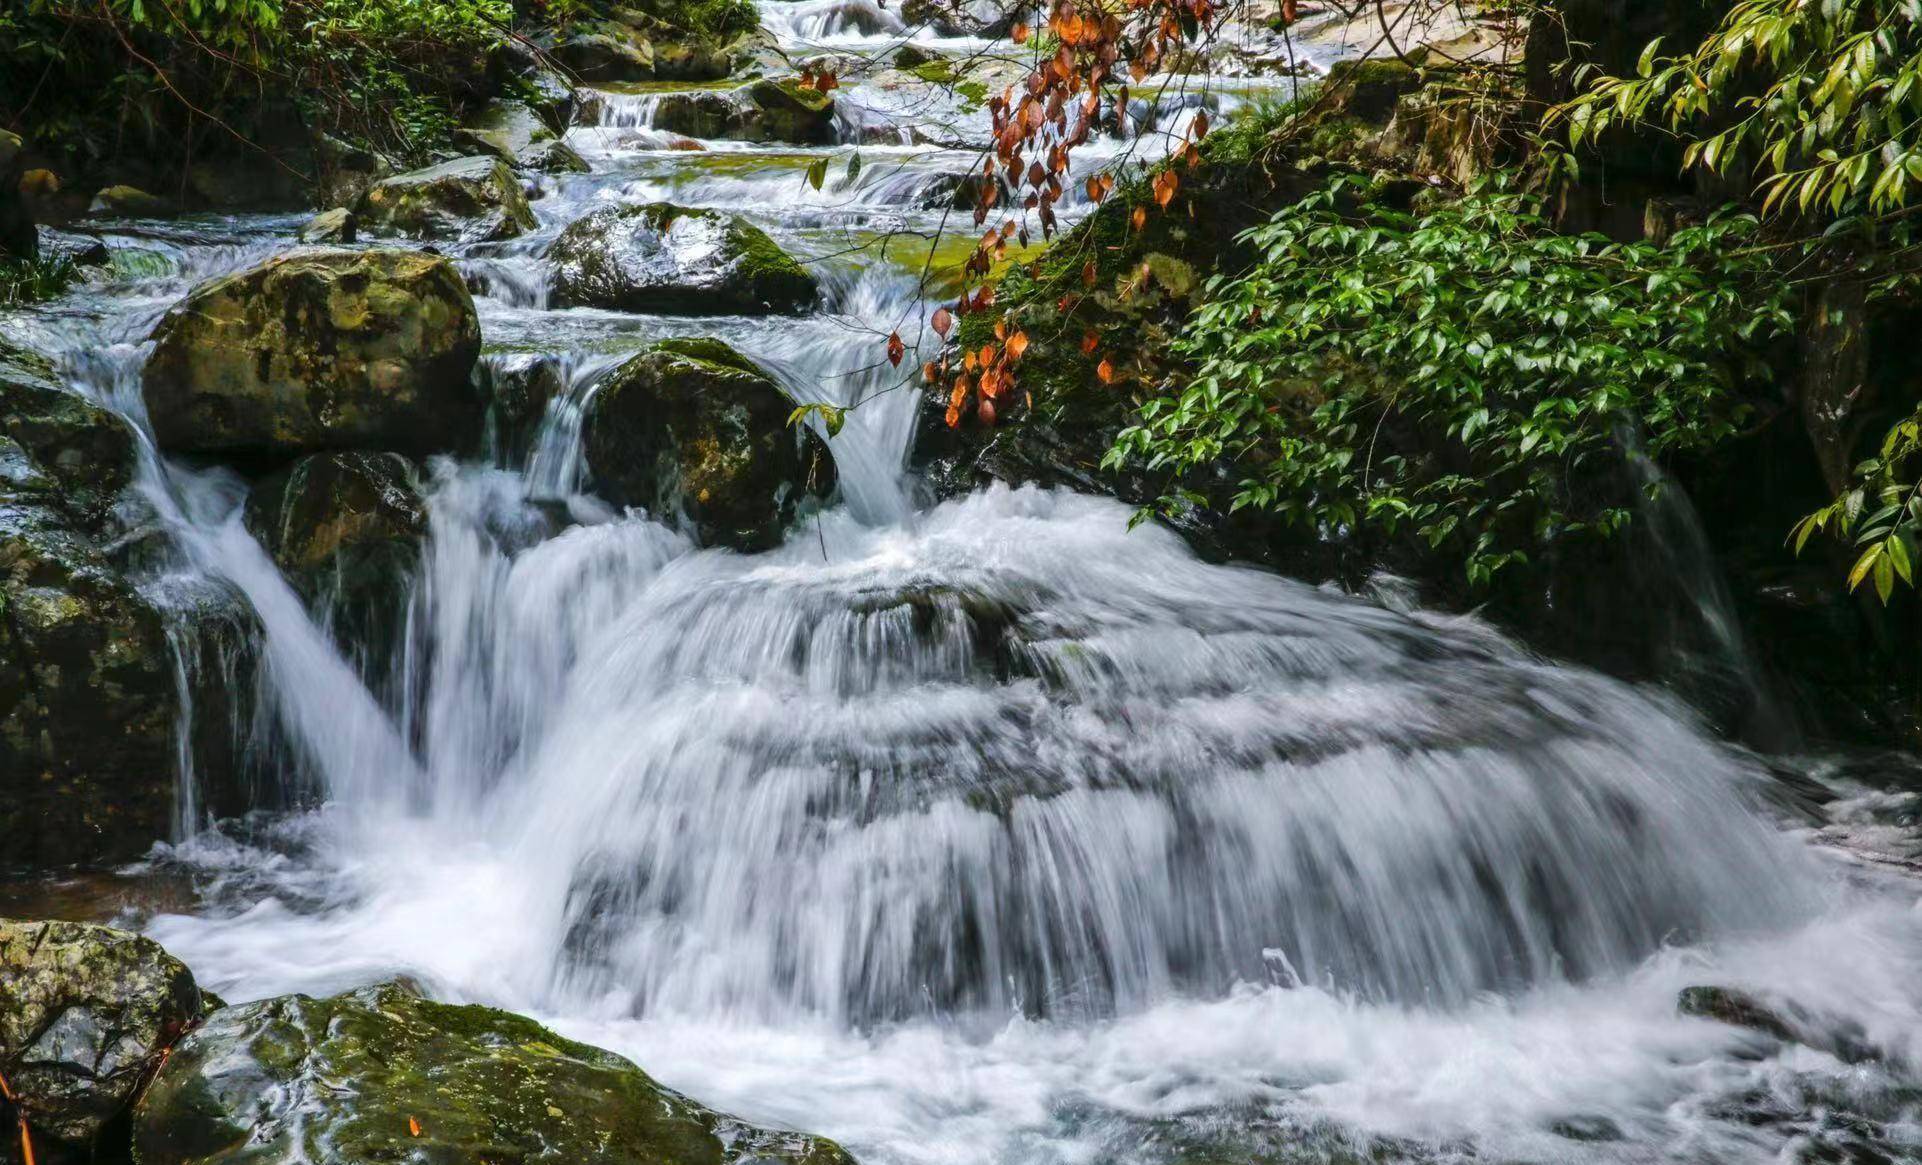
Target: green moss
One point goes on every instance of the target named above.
(708, 350)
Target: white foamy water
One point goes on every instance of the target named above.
(994, 833)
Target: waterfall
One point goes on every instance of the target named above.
(991, 832)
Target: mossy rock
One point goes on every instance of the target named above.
(1371, 87)
(761, 111)
(693, 431)
(382, 1075)
(598, 55)
(87, 1013)
(667, 259)
(474, 199)
(316, 350)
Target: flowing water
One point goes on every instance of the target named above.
(992, 832)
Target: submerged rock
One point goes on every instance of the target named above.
(693, 429)
(382, 1075)
(471, 199)
(86, 1014)
(662, 258)
(82, 250)
(319, 349)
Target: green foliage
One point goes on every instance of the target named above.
(32, 280)
(1460, 375)
(1822, 97)
(1881, 515)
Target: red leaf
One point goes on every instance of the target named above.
(1089, 342)
(896, 349)
(942, 322)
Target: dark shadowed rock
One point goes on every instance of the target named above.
(470, 199)
(346, 529)
(17, 237)
(382, 1075)
(692, 429)
(86, 1014)
(662, 258)
(319, 349)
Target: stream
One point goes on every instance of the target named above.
(991, 832)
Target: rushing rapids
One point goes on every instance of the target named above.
(990, 832)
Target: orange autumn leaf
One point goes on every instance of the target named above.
(986, 410)
(1166, 183)
(1017, 344)
(896, 349)
(413, 1127)
(1089, 342)
(1105, 370)
(1088, 273)
(930, 373)
(1019, 33)
(1140, 217)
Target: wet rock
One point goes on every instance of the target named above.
(470, 199)
(330, 226)
(87, 1013)
(128, 202)
(86, 451)
(983, 18)
(662, 258)
(552, 157)
(1732, 1007)
(88, 702)
(353, 1077)
(316, 350)
(912, 56)
(346, 529)
(516, 134)
(763, 111)
(79, 249)
(17, 237)
(691, 428)
(519, 388)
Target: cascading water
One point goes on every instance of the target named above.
(996, 832)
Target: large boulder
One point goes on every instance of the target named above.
(665, 259)
(346, 529)
(18, 239)
(763, 111)
(319, 349)
(692, 430)
(382, 1075)
(468, 199)
(87, 1013)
